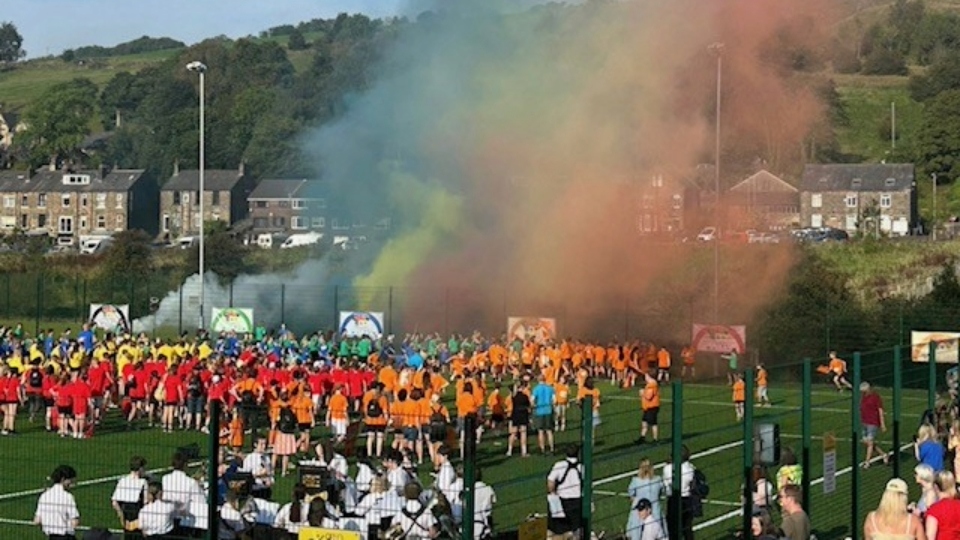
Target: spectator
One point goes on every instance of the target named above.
(943, 516)
(156, 517)
(680, 502)
(645, 485)
(795, 523)
(871, 418)
(414, 520)
(891, 518)
(483, 500)
(763, 490)
(928, 449)
(564, 489)
(544, 398)
(293, 515)
(181, 489)
(57, 512)
(648, 526)
(926, 478)
(762, 527)
(258, 464)
(128, 497)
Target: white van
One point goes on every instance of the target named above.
(301, 240)
(269, 240)
(94, 245)
(187, 242)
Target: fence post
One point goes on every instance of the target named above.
(83, 304)
(897, 395)
(336, 310)
(587, 484)
(748, 378)
(8, 294)
(283, 303)
(854, 532)
(213, 465)
(468, 516)
(231, 294)
(932, 377)
(390, 311)
(180, 315)
(675, 502)
(39, 301)
(807, 434)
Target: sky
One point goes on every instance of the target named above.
(50, 26)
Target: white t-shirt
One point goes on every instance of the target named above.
(338, 466)
(364, 477)
(686, 478)
(421, 527)
(398, 478)
(181, 489)
(282, 521)
(650, 529)
(57, 510)
(130, 489)
(570, 487)
(258, 464)
(157, 518)
(446, 479)
(483, 499)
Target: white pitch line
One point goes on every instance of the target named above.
(706, 501)
(91, 482)
(9, 521)
(881, 389)
(730, 404)
(817, 481)
(714, 450)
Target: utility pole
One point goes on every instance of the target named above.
(717, 49)
(933, 225)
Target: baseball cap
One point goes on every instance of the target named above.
(643, 504)
(897, 486)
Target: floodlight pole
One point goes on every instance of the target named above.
(200, 68)
(717, 49)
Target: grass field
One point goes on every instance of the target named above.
(709, 427)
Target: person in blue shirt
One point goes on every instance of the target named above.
(86, 338)
(928, 449)
(544, 397)
(415, 360)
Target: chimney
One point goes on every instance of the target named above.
(242, 170)
(176, 167)
(102, 171)
(53, 163)
(116, 119)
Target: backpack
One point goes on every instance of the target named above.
(699, 487)
(374, 410)
(287, 423)
(36, 378)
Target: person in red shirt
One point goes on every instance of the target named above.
(136, 386)
(172, 393)
(872, 422)
(49, 382)
(98, 377)
(80, 397)
(32, 382)
(11, 395)
(63, 401)
(356, 385)
(943, 516)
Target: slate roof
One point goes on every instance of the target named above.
(859, 177)
(47, 181)
(764, 182)
(213, 180)
(287, 188)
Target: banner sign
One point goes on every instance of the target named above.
(538, 329)
(239, 320)
(111, 317)
(829, 463)
(946, 346)
(719, 338)
(314, 533)
(361, 323)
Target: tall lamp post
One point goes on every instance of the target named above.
(717, 49)
(201, 68)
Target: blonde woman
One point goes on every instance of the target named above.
(645, 485)
(953, 444)
(925, 478)
(943, 516)
(928, 449)
(891, 520)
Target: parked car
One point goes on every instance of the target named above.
(95, 245)
(301, 240)
(708, 234)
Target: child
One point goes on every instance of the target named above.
(762, 386)
(235, 430)
(739, 395)
(563, 398)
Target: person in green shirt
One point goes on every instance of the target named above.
(453, 345)
(259, 333)
(731, 359)
(363, 348)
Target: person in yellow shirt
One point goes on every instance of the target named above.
(739, 395)
(762, 397)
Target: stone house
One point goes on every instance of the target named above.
(763, 201)
(287, 205)
(859, 197)
(67, 204)
(224, 198)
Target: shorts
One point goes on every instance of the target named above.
(47, 402)
(869, 432)
(195, 405)
(650, 416)
(497, 417)
(65, 411)
(411, 434)
(304, 427)
(97, 402)
(339, 427)
(375, 428)
(762, 392)
(543, 422)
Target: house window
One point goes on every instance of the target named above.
(816, 200)
(886, 201)
(119, 220)
(284, 204)
(101, 222)
(677, 202)
(101, 200)
(24, 221)
(851, 200)
(65, 200)
(84, 200)
(196, 198)
(65, 225)
(297, 222)
(851, 222)
(41, 220)
(261, 204)
(185, 197)
(25, 200)
(83, 222)
(216, 198)
(317, 223)
(119, 198)
(42, 200)
(279, 222)
(261, 223)
(890, 182)
(166, 223)
(299, 204)
(9, 201)
(196, 221)
(176, 198)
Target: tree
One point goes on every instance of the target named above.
(128, 258)
(224, 254)
(938, 142)
(297, 42)
(944, 74)
(59, 120)
(885, 61)
(905, 18)
(11, 44)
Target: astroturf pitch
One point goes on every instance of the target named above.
(709, 426)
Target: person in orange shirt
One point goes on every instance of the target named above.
(398, 414)
(235, 431)
(302, 405)
(467, 406)
(388, 376)
(497, 407)
(739, 395)
(563, 399)
(838, 369)
(337, 409)
(663, 365)
(375, 409)
(762, 397)
(589, 389)
(412, 428)
(689, 357)
(650, 403)
(438, 421)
